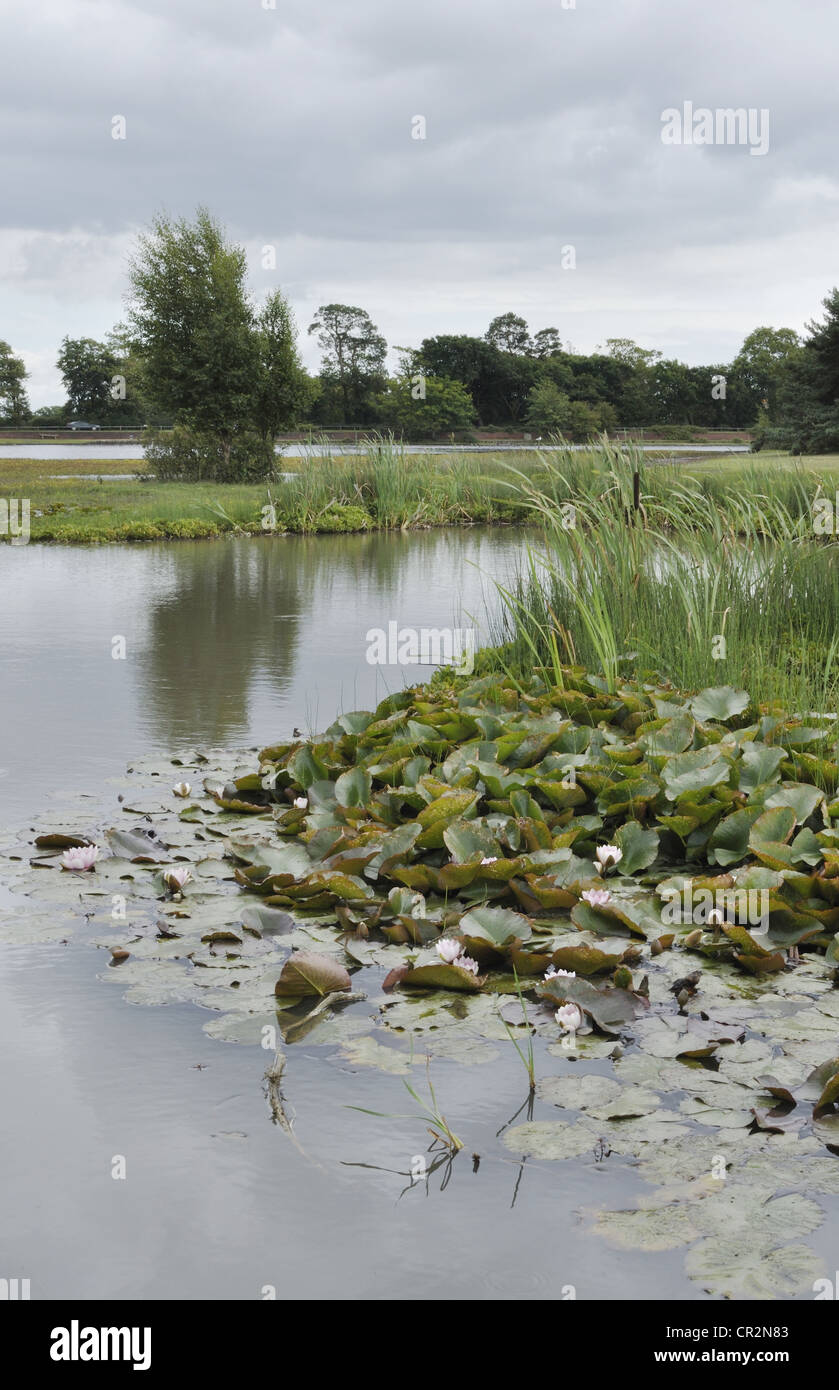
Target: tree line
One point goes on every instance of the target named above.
(195, 353)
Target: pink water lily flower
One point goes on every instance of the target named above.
(80, 857)
(597, 897)
(608, 857)
(301, 802)
(177, 879)
(467, 963)
(492, 860)
(569, 1018)
(448, 949)
(553, 974)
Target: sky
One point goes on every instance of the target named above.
(296, 122)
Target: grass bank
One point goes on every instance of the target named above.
(386, 488)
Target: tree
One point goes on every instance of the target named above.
(353, 358)
(626, 350)
(14, 402)
(761, 363)
(194, 325)
(808, 389)
(87, 369)
(546, 343)
(509, 333)
(424, 409)
(282, 392)
(548, 408)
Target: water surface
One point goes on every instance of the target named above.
(236, 643)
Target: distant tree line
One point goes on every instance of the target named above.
(195, 353)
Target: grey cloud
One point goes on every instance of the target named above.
(543, 129)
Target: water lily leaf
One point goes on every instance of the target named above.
(438, 814)
(137, 846)
(830, 1092)
(775, 825)
(759, 765)
(718, 703)
(638, 846)
(695, 771)
(267, 921)
(578, 1092)
(495, 926)
(442, 976)
(802, 799)
(631, 795)
(674, 735)
(610, 1009)
(466, 840)
(667, 1228)
(729, 842)
(367, 1051)
(309, 972)
(737, 1267)
(59, 841)
(353, 788)
(549, 1139)
(583, 960)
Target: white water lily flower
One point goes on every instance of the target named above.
(467, 963)
(301, 802)
(448, 949)
(492, 860)
(182, 789)
(177, 879)
(553, 974)
(608, 856)
(597, 897)
(80, 857)
(569, 1018)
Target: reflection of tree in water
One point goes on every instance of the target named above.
(236, 612)
(233, 613)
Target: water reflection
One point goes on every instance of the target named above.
(226, 642)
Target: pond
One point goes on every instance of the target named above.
(110, 451)
(235, 644)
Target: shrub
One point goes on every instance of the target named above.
(193, 455)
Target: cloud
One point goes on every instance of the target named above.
(543, 128)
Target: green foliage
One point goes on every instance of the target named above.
(195, 327)
(87, 369)
(353, 364)
(194, 455)
(425, 407)
(283, 394)
(14, 403)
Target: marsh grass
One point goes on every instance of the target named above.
(710, 581)
(429, 1111)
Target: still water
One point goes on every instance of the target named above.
(110, 452)
(235, 643)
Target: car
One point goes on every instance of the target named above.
(82, 425)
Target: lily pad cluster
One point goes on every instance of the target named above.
(478, 812)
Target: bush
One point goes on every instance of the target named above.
(191, 455)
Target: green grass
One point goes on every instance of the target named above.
(385, 488)
(716, 580)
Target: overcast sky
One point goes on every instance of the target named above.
(544, 126)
